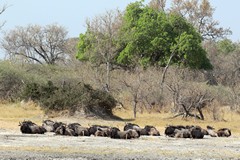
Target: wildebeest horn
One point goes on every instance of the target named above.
(20, 124)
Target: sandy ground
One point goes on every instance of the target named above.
(17, 146)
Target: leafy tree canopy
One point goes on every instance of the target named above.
(148, 37)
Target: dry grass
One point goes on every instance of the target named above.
(11, 114)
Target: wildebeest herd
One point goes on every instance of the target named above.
(130, 130)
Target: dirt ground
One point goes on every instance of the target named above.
(17, 146)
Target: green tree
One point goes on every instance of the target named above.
(152, 37)
(226, 46)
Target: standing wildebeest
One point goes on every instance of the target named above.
(224, 132)
(29, 127)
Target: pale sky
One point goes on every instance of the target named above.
(73, 13)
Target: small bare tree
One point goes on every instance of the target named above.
(137, 85)
(200, 14)
(102, 32)
(35, 43)
(189, 101)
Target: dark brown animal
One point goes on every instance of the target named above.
(196, 132)
(28, 127)
(151, 131)
(169, 131)
(224, 132)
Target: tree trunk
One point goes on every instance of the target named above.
(108, 75)
(200, 113)
(135, 109)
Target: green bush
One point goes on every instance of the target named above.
(54, 88)
(70, 96)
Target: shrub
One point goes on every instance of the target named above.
(72, 96)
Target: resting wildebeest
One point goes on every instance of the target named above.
(50, 125)
(169, 131)
(196, 132)
(211, 131)
(131, 126)
(29, 127)
(188, 131)
(182, 133)
(129, 134)
(64, 130)
(149, 131)
(224, 132)
(98, 130)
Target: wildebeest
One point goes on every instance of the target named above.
(197, 132)
(189, 131)
(169, 131)
(131, 126)
(64, 130)
(128, 134)
(211, 131)
(50, 125)
(224, 132)
(182, 133)
(28, 127)
(149, 131)
(101, 130)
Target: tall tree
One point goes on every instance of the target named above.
(36, 43)
(98, 44)
(200, 14)
(150, 37)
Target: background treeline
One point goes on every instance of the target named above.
(147, 57)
